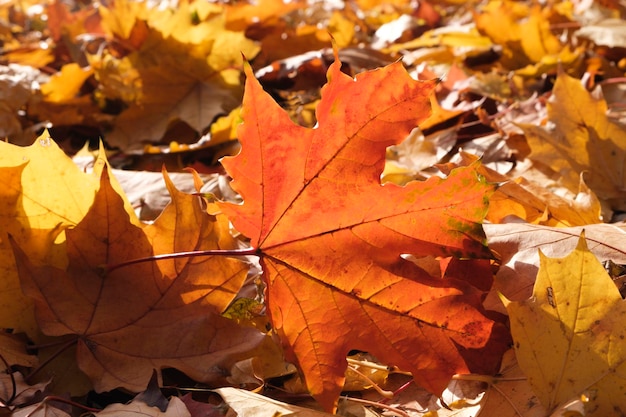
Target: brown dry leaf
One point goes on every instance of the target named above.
(136, 408)
(582, 139)
(281, 39)
(249, 404)
(126, 320)
(25, 393)
(13, 351)
(569, 336)
(67, 25)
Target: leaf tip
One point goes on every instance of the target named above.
(582, 242)
(505, 301)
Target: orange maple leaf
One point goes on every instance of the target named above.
(142, 316)
(330, 236)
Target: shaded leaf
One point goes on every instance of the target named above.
(13, 351)
(153, 396)
(335, 277)
(128, 321)
(200, 409)
(17, 83)
(42, 189)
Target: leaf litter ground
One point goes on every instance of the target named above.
(497, 102)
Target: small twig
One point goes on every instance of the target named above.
(378, 405)
(484, 378)
(62, 400)
(372, 365)
(190, 254)
(368, 364)
(507, 399)
(45, 345)
(62, 349)
(384, 393)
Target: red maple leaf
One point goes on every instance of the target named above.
(331, 237)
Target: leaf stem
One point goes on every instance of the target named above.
(62, 349)
(188, 254)
(484, 378)
(384, 393)
(378, 405)
(52, 398)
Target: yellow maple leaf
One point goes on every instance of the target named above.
(569, 336)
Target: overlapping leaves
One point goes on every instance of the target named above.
(127, 321)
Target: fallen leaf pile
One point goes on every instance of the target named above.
(390, 208)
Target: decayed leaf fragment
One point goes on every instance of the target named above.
(148, 315)
(331, 236)
(569, 336)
